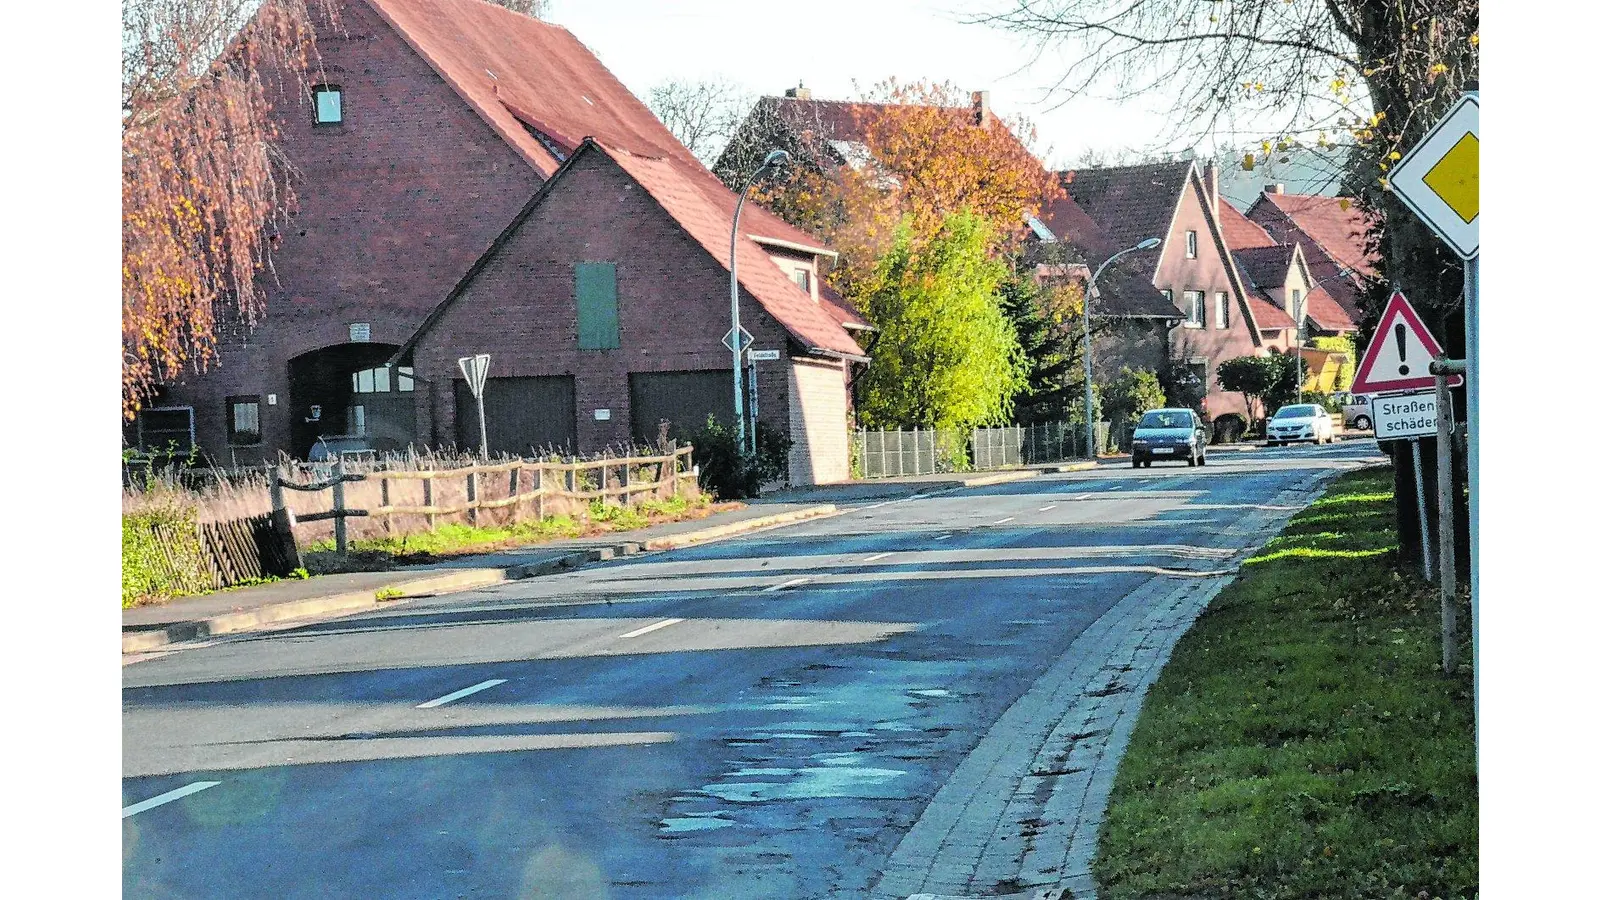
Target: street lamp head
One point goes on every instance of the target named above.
(775, 158)
(1147, 244)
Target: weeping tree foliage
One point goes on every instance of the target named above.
(202, 185)
(1368, 76)
(947, 357)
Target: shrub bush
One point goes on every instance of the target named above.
(161, 552)
(732, 475)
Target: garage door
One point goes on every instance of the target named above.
(683, 399)
(525, 414)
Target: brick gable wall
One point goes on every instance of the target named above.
(672, 305)
(394, 205)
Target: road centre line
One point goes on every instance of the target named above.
(168, 797)
(944, 537)
(1047, 508)
(649, 628)
(787, 584)
(464, 692)
(1006, 519)
(877, 556)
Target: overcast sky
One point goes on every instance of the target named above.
(827, 44)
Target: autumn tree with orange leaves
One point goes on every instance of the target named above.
(202, 183)
(917, 155)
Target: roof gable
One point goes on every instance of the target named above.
(1129, 203)
(1337, 225)
(689, 196)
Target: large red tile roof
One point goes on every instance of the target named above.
(1327, 312)
(544, 92)
(1267, 314)
(1126, 289)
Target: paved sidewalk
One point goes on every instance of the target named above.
(1022, 812)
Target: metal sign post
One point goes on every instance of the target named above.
(1441, 368)
(755, 404)
(1422, 507)
(476, 370)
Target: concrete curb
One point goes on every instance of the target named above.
(441, 583)
(1000, 478)
(715, 532)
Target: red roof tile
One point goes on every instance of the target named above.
(1341, 233)
(530, 80)
(1326, 312)
(1126, 288)
(1267, 313)
(691, 196)
(843, 311)
(1239, 232)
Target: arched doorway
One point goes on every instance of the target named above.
(345, 391)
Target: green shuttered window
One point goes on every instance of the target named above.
(597, 306)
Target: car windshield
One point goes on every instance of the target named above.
(1166, 419)
(1296, 412)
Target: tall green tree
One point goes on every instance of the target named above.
(1048, 319)
(947, 355)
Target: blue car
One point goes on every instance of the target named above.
(1169, 434)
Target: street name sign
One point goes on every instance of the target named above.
(1438, 179)
(476, 370)
(1397, 359)
(745, 339)
(763, 355)
(1405, 416)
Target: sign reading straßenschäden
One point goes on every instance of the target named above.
(1405, 416)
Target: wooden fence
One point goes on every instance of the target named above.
(530, 483)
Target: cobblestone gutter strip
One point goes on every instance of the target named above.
(1022, 812)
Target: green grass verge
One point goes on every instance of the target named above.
(1302, 742)
(453, 539)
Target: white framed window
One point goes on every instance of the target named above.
(1200, 367)
(244, 421)
(1194, 307)
(802, 277)
(1297, 308)
(327, 101)
(1191, 244)
(1222, 320)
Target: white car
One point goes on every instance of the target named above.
(1300, 422)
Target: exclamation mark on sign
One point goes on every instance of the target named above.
(1400, 344)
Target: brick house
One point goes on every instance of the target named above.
(473, 180)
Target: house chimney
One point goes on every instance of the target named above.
(799, 92)
(1273, 189)
(1211, 188)
(980, 108)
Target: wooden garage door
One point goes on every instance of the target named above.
(525, 414)
(684, 399)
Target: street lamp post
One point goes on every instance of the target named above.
(1300, 325)
(1090, 293)
(774, 159)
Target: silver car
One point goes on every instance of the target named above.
(1300, 422)
(1357, 410)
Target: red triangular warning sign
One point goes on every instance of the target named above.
(1400, 352)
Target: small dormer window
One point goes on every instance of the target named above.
(328, 104)
(1191, 246)
(802, 277)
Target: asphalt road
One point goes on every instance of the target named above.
(763, 717)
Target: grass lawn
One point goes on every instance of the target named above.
(1302, 742)
(454, 539)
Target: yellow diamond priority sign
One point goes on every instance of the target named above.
(1438, 179)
